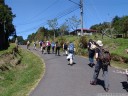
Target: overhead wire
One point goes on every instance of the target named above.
(60, 15)
(37, 15)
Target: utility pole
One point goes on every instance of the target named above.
(81, 13)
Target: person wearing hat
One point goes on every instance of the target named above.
(98, 66)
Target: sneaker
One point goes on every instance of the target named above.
(92, 82)
(92, 64)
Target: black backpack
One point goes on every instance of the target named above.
(104, 56)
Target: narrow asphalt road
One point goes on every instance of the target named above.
(61, 79)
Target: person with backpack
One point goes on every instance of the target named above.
(48, 47)
(91, 52)
(71, 49)
(102, 63)
(43, 47)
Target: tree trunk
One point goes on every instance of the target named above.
(2, 37)
(6, 41)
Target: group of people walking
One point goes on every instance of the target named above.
(95, 51)
(47, 47)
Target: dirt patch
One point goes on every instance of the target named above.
(7, 61)
(119, 58)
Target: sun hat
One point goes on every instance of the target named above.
(99, 42)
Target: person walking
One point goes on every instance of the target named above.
(28, 44)
(91, 52)
(34, 43)
(57, 46)
(65, 49)
(71, 49)
(53, 46)
(48, 47)
(99, 66)
(43, 47)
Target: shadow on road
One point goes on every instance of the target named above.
(100, 82)
(125, 85)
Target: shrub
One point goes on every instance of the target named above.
(83, 42)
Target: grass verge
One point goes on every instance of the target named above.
(19, 80)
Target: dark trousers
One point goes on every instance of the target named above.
(48, 49)
(91, 54)
(57, 50)
(99, 66)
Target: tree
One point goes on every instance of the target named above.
(116, 24)
(6, 27)
(53, 25)
(73, 22)
(125, 25)
(64, 28)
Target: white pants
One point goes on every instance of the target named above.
(70, 57)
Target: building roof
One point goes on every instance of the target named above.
(91, 30)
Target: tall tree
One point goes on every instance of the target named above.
(64, 28)
(6, 26)
(53, 25)
(73, 22)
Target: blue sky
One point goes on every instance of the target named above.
(32, 14)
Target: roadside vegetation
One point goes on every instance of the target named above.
(116, 47)
(18, 78)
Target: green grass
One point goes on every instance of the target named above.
(9, 50)
(20, 80)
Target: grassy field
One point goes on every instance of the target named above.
(21, 79)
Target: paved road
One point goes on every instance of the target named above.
(62, 79)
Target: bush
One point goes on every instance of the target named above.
(83, 42)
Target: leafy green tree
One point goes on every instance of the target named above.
(6, 27)
(116, 24)
(125, 25)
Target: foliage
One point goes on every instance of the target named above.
(119, 24)
(61, 40)
(6, 27)
(53, 25)
(83, 42)
(73, 22)
(64, 29)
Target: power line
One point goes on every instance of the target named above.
(39, 14)
(60, 15)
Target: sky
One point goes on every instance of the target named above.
(33, 14)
